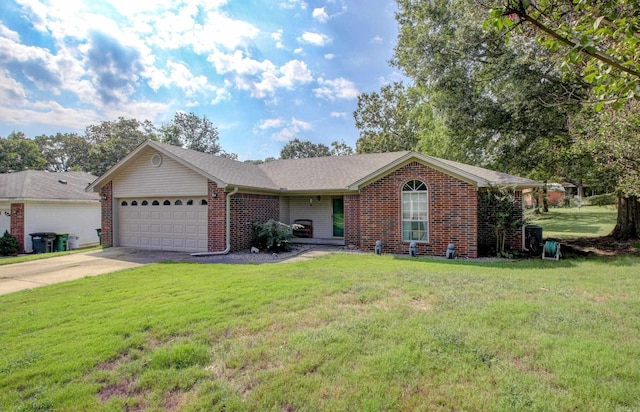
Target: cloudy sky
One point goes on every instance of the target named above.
(263, 71)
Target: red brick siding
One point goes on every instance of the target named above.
(486, 234)
(247, 208)
(16, 226)
(352, 221)
(453, 206)
(216, 226)
(106, 237)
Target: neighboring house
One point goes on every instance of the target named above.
(34, 201)
(169, 198)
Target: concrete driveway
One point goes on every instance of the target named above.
(42, 272)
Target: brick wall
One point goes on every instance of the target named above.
(453, 206)
(246, 208)
(352, 221)
(216, 219)
(106, 238)
(16, 227)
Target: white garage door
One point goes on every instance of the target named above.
(163, 223)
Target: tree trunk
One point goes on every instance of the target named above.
(545, 198)
(628, 221)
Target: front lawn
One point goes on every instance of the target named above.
(571, 223)
(343, 332)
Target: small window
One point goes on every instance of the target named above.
(166, 203)
(203, 202)
(190, 202)
(178, 202)
(134, 203)
(155, 203)
(124, 203)
(145, 203)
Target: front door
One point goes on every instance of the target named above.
(338, 217)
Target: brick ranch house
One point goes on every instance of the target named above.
(170, 198)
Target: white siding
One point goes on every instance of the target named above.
(284, 210)
(319, 211)
(169, 179)
(80, 219)
(5, 221)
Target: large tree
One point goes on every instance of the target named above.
(598, 40)
(192, 132)
(111, 141)
(499, 104)
(599, 43)
(17, 153)
(300, 149)
(64, 151)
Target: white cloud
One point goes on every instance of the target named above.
(293, 4)
(329, 56)
(299, 50)
(7, 33)
(287, 130)
(376, 40)
(261, 78)
(317, 39)
(339, 88)
(339, 115)
(277, 36)
(320, 14)
(11, 92)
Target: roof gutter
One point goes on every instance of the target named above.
(228, 229)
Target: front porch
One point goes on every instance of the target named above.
(317, 241)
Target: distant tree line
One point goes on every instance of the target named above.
(104, 144)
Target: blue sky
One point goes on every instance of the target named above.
(264, 72)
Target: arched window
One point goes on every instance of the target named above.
(415, 211)
(166, 203)
(155, 203)
(145, 203)
(178, 202)
(203, 202)
(124, 203)
(134, 203)
(190, 202)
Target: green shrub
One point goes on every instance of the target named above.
(8, 244)
(272, 236)
(603, 200)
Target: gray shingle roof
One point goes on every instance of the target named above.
(331, 173)
(36, 184)
(326, 173)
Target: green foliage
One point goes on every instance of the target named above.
(111, 141)
(64, 152)
(272, 236)
(179, 356)
(193, 132)
(500, 208)
(599, 40)
(18, 153)
(494, 103)
(299, 149)
(8, 244)
(602, 200)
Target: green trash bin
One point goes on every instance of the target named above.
(62, 239)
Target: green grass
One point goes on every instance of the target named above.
(342, 332)
(27, 258)
(571, 223)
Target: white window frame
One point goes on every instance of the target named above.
(415, 220)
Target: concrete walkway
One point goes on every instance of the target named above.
(27, 275)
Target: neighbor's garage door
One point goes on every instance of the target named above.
(163, 224)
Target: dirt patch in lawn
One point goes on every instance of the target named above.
(600, 246)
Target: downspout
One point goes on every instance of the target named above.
(228, 229)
